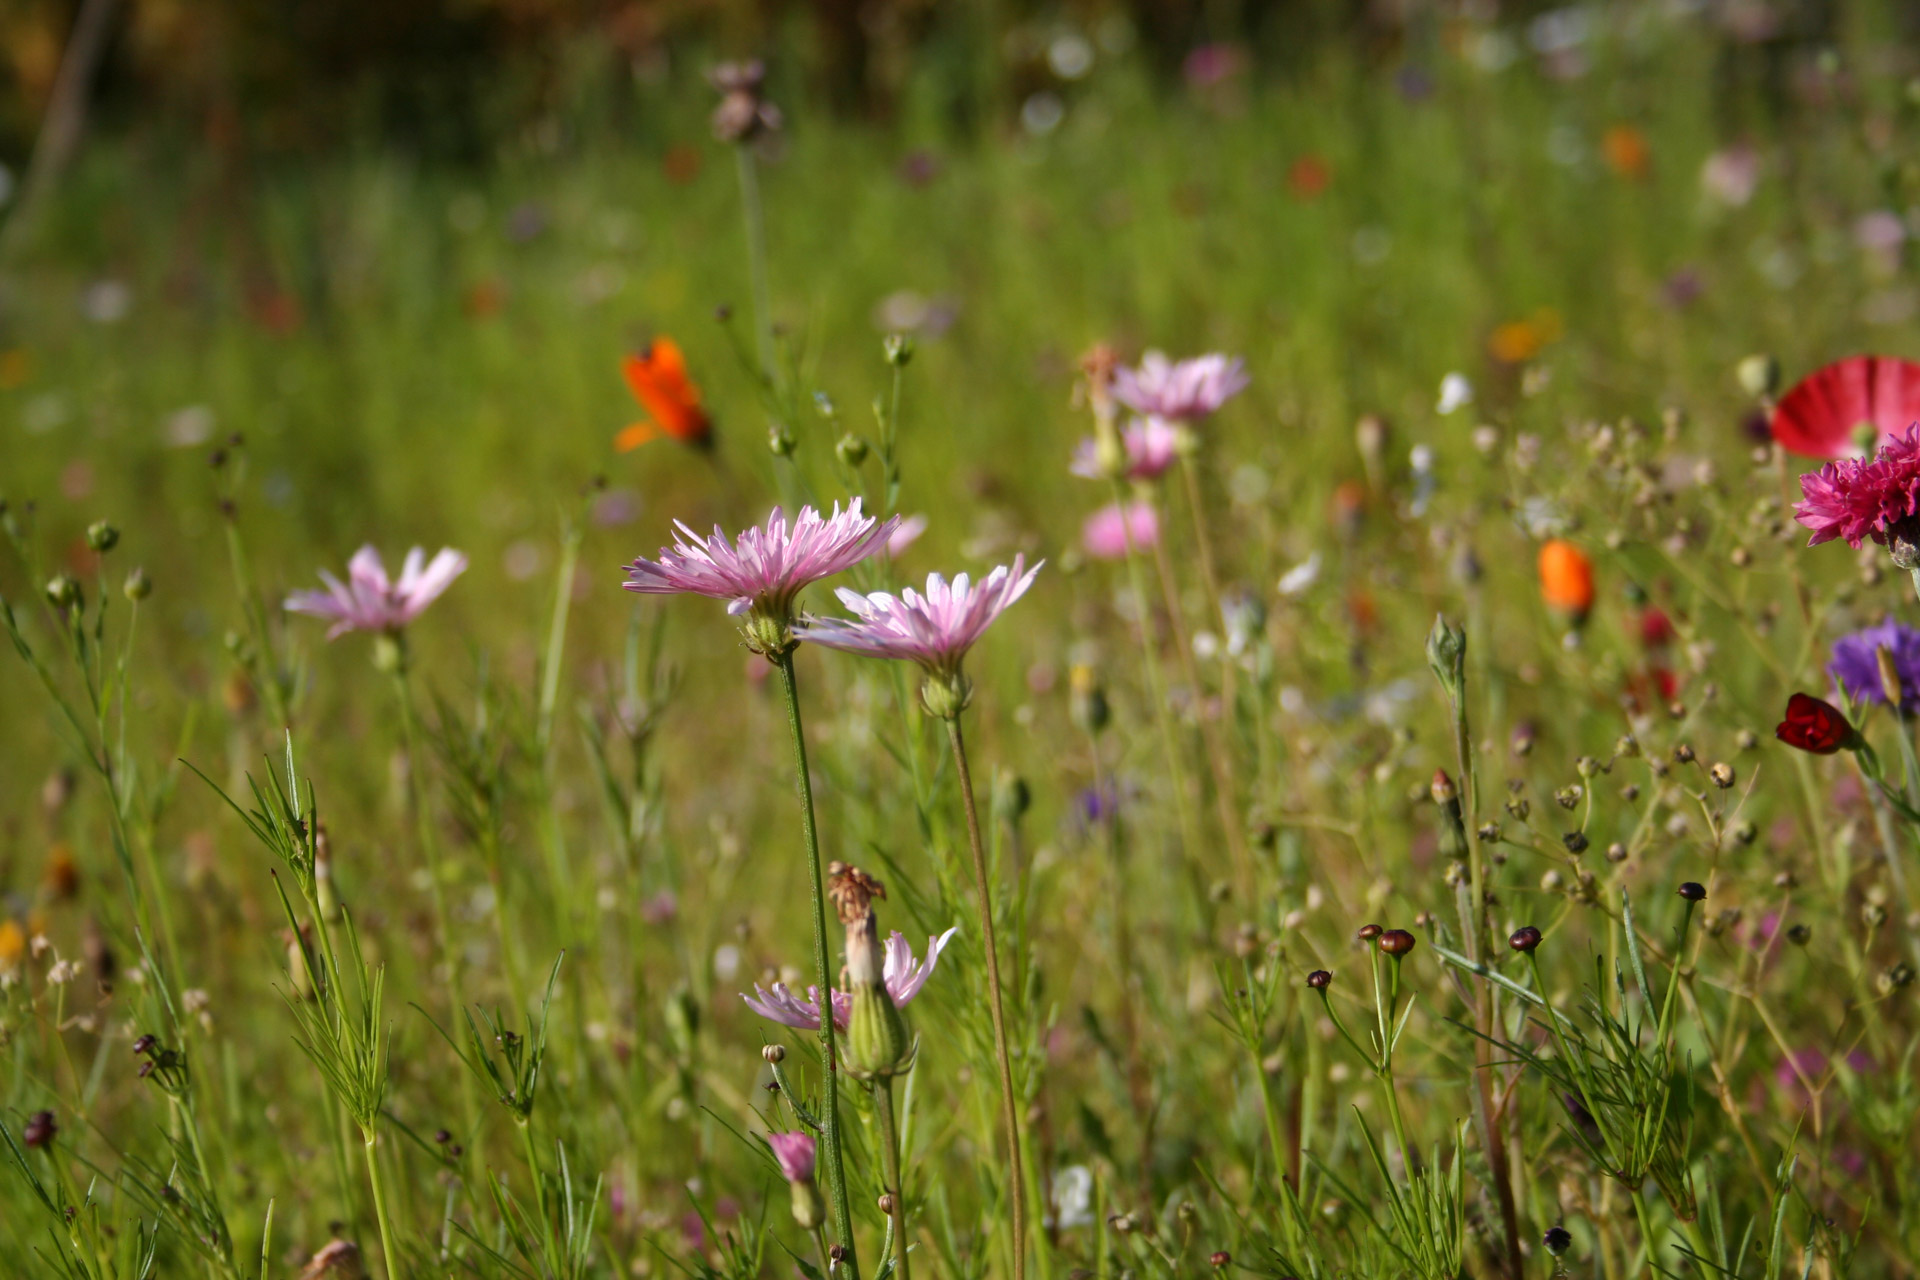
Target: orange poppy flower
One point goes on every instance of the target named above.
(658, 379)
(1566, 578)
(1627, 151)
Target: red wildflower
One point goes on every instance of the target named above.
(658, 379)
(1816, 726)
(1860, 498)
(1821, 414)
(1656, 628)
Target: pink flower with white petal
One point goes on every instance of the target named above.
(369, 601)
(767, 566)
(795, 1154)
(1152, 445)
(1181, 390)
(902, 975)
(935, 629)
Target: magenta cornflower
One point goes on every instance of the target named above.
(1860, 498)
(369, 601)
(1107, 531)
(934, 630)
(760, 574)
(902, 975)
(1180, 390)
(1152, 445)
(794, 1152)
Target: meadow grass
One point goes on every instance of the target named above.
(566, 840)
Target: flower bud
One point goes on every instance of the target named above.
(1397, 942)
(1444, 791)
(773, 1054)
(852, 450)
(39, 1131)
(1557, 1240)
(1759, 376)
(1800, 935)
(102, 537)
(1220, 1259)
(886, 1203)
(63, 592)
(138, 586)
(1368, 932)
(1319, 979)
(1693, 891)
(1524, 939)
(1011, 798)
(1447, 657)
(898, 349)
(780, 441)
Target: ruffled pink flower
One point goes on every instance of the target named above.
(369, 601)
(794, 1152)
(769, 565)
(1860, 498)
(1181, 390)
(934, 630)
(1152, 445)
(902, 975)
(1105, 534)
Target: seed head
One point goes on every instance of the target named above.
(1524, 939)
(774, 1054)
(1576, 842)
(1683, 754)
(1397, 942)
(1800, 935)
(1722, 774)
(1368, 932)
(1693, 891)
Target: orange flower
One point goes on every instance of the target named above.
(1627, 151)
(1566, 578)
(13, 946)
(1308, 176)
(61, 876)
(658, 379)
(1519, 341)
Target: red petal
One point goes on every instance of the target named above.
(1817, 417)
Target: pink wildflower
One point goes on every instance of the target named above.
(934, 630)
(906, 534)
(1107, 531)
(369, 601)
(901, 974)
(1180, 390)
(794, 1152)
(1859, 498)
(1152, 444)
(763, 572)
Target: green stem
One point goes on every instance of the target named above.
(830, 1104)
(896, 1182)
(369, 1137)
(1009, 1105)
(757, 261)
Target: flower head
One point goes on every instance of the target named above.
(657, 376)
(902, 974)
(1859, 670)
(369, 601)
(1859, 498)
(769, 565)
(1151, 444)
(1181, 390)
(794, 1151)
(1566, 578)
(1824, 414)
(1816, 726)
(1108, 531)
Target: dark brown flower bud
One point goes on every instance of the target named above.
(1221, 1260)
(1524, 939)
(1693, 892)
(1576, 842)
(1368, 932)
(1799, 935)
(1397, 942)
(39, 1130)
(1319, 979)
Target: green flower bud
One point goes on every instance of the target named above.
(946, 694)
(899, 350)
(766, 635)
(1447, 657)
(138, 586)
(64, 593)
(389, 655)
(809, 1208)
(852, 449)
(878, 1042)
(102, 537)
(1759, 376)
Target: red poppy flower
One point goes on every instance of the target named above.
(658, 379)
(1815, 726)
(1819, 416)
(1656, 628)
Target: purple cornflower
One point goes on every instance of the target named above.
(1152, 445)
(369, 601)
(1180, 390)
(1107, 531)
(761, 573)
(794, 1152)
(934, 630)
(902, 975)
(1856, 663)
(1859, 498)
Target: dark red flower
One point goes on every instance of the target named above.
(1819, 415)
(1656, 628)
(1816, 726)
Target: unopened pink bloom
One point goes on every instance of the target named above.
(769, 565)
(1860, 498)
(906, 534)
(1107, 531)
(1152, 445)
(794, 1152)
(934, 630)
(1181, 390)
(369, 601)
(902, 975)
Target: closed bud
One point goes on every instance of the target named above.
(1889, 676)
(1557, 1240)
(1693, 891)
(1722, 774)
(1759, 376)
(1368, 932)
(102, 537)
(1575, 841)
(898, 349)
(780, 441)
(852, 449)
(886, 1203)
(1524, 939)
(1397, 942)
(1319, 979)
(39, 1130)
(63, 592)
(1447, 657)
(773, 1054)
(1799, 935)
(1220, 1259)
(1627, 747)
(138, 586)
(1443, 788)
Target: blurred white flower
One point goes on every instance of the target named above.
(1456, 393)
(1731, 174)
(1073, 1197)
(1303, 575)
(190, 427)
(106, 301)
(1070, 56)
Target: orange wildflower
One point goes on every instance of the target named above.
(13, 946)
(1627, 152)
(658, 379)
(61, 876)
(1308, 176)
(1566, 578)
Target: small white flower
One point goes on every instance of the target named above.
(1301, 576)
(1073, 1196)
(63, 972)
(195, 1000)
(1455, 393)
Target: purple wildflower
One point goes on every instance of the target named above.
(1856, 663)
(1860, 498)
(768, 566)
(902, 975)
(1152, 445)
(369, 601)
(935, 629)
(1179, 390)
(794, 1151)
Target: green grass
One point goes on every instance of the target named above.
(1172, 1054)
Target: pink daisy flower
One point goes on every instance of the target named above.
(934, 630)
(902, 975)
(1105, 534)
(1152, 445)
(1179, 389)
(1860, 498)
(794, 1152)
(369, 601)
(768, 566)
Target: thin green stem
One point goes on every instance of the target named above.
(1016, 1190)
(370, 1139)
(830, 1104)
(890, 1155)
(757, 261)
